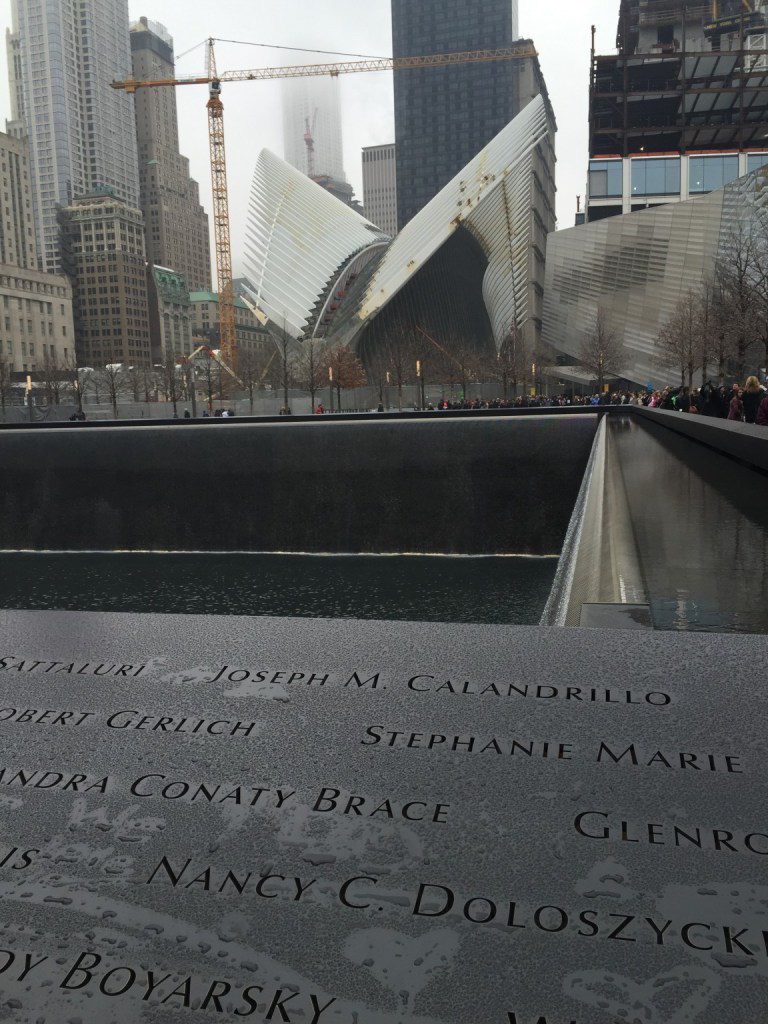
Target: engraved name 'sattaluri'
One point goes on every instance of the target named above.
(317, 822)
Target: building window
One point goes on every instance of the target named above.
(659, 177)
(756, 160)
(605, 179)
(706, 173)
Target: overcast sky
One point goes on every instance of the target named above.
(560, 29)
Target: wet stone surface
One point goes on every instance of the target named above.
(350, 822)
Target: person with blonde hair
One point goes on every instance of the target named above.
(751, 398)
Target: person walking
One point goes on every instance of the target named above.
(752, 397)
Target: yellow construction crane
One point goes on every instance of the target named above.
(215, 107)
(745, 3)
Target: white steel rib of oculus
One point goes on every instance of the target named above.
(297, 238)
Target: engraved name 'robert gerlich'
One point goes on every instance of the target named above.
(132, 720)
(630, 754)
(90, 973)
(436, 902)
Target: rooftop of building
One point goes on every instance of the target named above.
(156, 29)
(196, 297)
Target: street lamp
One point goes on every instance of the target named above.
(330, 384)
(420, 385)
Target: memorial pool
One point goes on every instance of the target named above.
(420, 589)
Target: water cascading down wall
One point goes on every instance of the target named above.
(447, 486)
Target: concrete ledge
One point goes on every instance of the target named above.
(742, 441)
(348, 417)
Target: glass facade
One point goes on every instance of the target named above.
(605, 179)
(445, 116)
(706, 173)
(637, 267)
(756, 160)
(81, 132)
(656, 177)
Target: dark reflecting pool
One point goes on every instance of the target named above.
(700, 525)
(429, 589)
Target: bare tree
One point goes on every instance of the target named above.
(398, 347)
(113, 380)
(512, 361)
(347, 369)
(134, 378)
(738, 275)
(602, 351)
(169, 373)
(54, 378)
(251, 372)
(77, 379)
(678, 340)
(208, 372)
(309, 368)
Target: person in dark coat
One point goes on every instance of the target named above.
(762, 413)
(736, 410)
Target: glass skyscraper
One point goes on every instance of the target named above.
(445, 116)
(62, 56)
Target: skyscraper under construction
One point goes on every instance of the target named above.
(682, 108)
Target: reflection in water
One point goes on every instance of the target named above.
(484, 590)
(700, 523)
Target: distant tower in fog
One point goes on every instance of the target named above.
(316, 102)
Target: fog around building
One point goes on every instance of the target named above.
(254, 118)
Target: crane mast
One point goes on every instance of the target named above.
(221, 226)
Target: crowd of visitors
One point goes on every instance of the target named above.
(748, 404)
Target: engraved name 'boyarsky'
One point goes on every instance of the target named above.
(630, 754)
(88, 973)
(11, 663)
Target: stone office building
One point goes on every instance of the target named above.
(176, 224)
(170, 314)
(380, 187)
(36, 326)
(252, 338)
(103, 251)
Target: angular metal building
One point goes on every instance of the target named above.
(462, 271)
(637, 267)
